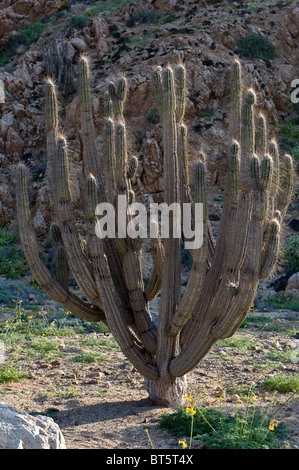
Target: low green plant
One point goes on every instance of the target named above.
(279, 356)
(236, 341)
(10, 373)
(290, 254)
(12, 260)
(110, 5)
(25, 37)
(282, 383)
(78, 21)
(256, 46)
(289, 135)
(248, 429)
(89, 357)
(284, 301)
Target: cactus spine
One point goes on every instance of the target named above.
(224, 275)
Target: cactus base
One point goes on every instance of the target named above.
(171, 392)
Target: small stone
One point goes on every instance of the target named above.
(46, 366)
(235, 397)
(56, 362)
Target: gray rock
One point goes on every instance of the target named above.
(19, 430)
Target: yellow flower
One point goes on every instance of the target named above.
(191, 411)
(29, 316)
(183, 442)
(273, 424)
(278, 319)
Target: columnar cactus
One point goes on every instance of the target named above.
(224, 275)
(59, 66)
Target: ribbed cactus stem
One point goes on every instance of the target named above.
(121, 157)
(169, 102)
(180, 90)
(61, 266)
(91, 160)
(270, 254)
(112, 91)
(121, 245)
(117, 95)
(234, 170)
(84, 89)
(22, 194)
(255, 170)
(235, 101)
(158, 88)
(200, 191)
(274, 153)
(131, 196)
(183, 154)
(121, 88)
(109, 157)
(91, 199)
(108, 113)
(51, 107)
(286, 184)
(132, 167)
(248, 125)
(261, 136)
(62, 171)
(56, 234)
(266, 167)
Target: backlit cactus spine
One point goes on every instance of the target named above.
(224, 275)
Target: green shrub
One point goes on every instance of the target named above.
(10, 373)
(256, 46)
(289, 138)
(78, 21)
(25, 37)
(147, 16)
(12, 260)
(219, 430)
(282, 383)
(290, 255)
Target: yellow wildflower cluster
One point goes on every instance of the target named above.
(273, 424)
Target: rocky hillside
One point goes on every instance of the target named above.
(131, 38)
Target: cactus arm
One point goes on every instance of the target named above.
(199, 256)
(42, 275)
(116, 320)
(235, 101)
(78, 261)
(145, 329)
(166, 103)
(286, 185)
(154, 285)
(261, 141)
(91, 160)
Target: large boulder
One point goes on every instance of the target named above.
(293, 282)
(19, 430)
